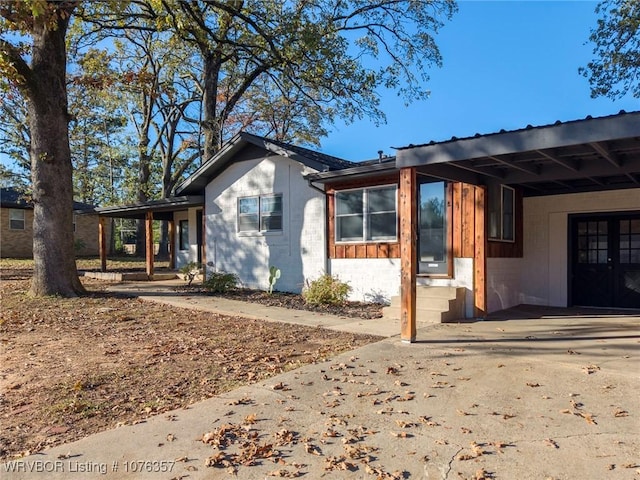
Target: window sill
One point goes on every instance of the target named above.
(260, 234)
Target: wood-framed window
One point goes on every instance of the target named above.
(502, 207)
(260, 213)
(16, 219)
(183, 239)
(366, 214)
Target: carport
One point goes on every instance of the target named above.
(589, 155)
(148, 211)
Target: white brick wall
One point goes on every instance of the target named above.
(371, 279)
(540, 277)
(298, 251)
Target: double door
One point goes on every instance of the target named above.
(605, 260)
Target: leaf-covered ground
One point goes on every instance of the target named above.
(73, 367)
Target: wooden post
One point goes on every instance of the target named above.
(480, 254)
(102, 243)
(171, 227)
(408, 210)
(149, 243)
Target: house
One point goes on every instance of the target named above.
(16, 226)
(546, 215)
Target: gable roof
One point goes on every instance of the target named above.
(194, 185)
(11, 197)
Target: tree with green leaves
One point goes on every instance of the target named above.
(38, 70)
(335, 54)
(615, 70)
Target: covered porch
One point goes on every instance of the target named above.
(165, 210)
(583, 156)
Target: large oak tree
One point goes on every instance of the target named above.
(334, 53)
(38, 70)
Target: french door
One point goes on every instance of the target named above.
(605, 260)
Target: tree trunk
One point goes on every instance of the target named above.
(55, 270)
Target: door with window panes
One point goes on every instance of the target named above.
(605, 260)
(432, 234)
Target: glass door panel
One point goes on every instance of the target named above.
(432, 234)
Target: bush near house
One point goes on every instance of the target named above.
(220, 282)
(326, 290)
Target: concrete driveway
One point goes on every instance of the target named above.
(551, 397)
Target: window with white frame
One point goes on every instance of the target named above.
(366, 214)
(16, 219)
(260, 213)
(502, 200)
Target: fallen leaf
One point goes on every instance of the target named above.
(589, 369)
(533, 385)
(620, 413)
(283, 473)
(312, 449)
(551, 443)
(588, 417)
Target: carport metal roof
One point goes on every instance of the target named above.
(161, 209)
(565, 157)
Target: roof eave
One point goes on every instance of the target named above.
(590, 130)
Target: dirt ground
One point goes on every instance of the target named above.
(74, 367)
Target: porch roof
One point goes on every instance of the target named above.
(161, 209)
(565, 157)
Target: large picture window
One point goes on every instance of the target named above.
(261, 213)
(16, 219)
(366, 215)
(502, 202)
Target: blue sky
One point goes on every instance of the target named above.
(507, 64)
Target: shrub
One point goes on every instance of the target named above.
(326, 290)
(220, 282)
(190, 272)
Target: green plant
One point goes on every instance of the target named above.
(326, 290)
(274, 275)
(190, 272)
(220, 282)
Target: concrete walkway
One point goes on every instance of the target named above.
(555, 397)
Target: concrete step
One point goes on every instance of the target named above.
(433, 305)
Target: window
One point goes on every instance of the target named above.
(366, 215)
(501, 213)
(262, 213)
(16, 219)
(184, 234)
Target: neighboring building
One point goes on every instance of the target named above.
(545, 215)
(16, 226)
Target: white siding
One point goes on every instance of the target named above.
(371, 279)
(298, 251)
(541, 276)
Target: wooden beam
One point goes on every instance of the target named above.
(171, 228)
(149, 243)
(610, 157)
(408, 210)
(102, 243)
(480, 254)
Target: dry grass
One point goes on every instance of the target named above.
(73, 367)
